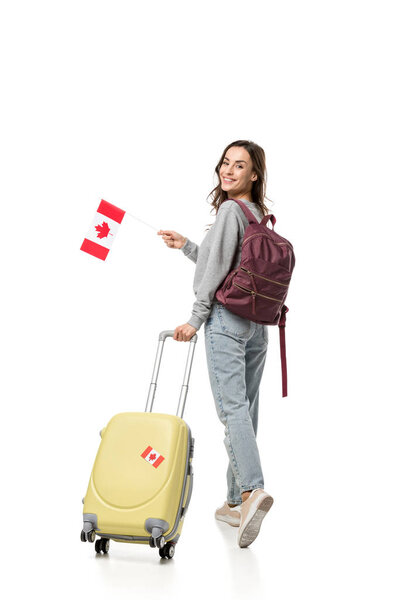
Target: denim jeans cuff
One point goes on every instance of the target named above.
(250, 488)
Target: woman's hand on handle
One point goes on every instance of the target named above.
(183, 333)
(172, 238)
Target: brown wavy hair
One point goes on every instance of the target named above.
(259, 186)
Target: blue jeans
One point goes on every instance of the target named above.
(236, 350)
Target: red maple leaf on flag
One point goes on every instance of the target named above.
(103, 230)
(152, 456)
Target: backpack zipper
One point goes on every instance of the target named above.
(277, 243)
(266, 278)
(253, 293)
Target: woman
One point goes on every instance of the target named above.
(235, 347)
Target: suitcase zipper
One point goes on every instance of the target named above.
(266, 278)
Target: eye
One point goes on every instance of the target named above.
(226, 162)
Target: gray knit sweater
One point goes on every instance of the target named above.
(218, 254)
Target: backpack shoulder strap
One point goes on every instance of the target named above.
(250, 217)
(282, 323)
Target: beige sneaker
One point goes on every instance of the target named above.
(252, 512)
(228, 515)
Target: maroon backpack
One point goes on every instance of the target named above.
(257, 288)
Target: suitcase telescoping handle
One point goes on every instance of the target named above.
(185, 386)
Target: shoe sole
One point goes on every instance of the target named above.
(252, 529)
(230, 520)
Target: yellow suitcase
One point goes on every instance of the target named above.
(142, 477)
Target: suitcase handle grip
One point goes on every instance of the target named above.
(185, 386)
(170, 333)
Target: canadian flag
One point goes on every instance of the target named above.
(103, 230)
(152, 456)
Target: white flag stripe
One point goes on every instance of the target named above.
(92, 234)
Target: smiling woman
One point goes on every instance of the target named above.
(236, 174)
(235, 347)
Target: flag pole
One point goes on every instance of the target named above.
(141, 221)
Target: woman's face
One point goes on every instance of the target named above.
(236, 172)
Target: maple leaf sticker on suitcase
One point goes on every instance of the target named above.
(152, 456)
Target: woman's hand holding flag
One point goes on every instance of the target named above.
(172, 239)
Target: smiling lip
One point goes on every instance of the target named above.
(228, 180)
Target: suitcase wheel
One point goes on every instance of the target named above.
(102, 545)
(157, 538)
(167, 551)
(88, 536)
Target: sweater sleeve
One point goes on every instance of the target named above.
(225, 234)
(190, 249)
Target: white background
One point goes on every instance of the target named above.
(134, 103)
